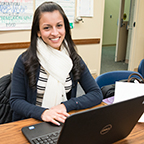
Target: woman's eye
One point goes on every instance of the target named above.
(46, 27)
(59, 25)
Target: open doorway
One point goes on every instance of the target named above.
(116, 13)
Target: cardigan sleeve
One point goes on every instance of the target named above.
(93, 95)
(23, 98)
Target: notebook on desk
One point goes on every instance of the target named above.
(102, 125)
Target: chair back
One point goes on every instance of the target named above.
(112, 76)
(5, 108)
(141, 67)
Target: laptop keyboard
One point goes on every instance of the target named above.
(51, 138)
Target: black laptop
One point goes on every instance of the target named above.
(102, 125)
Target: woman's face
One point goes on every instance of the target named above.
(52, 28)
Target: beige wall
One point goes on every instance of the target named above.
(7, 60)
(91, 28)
(137, 46)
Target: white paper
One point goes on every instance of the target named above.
(85, 8)
(125, 91)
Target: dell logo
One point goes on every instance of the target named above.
(106, 129)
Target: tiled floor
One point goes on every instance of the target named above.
(107, 60)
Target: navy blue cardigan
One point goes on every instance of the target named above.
(23, 98)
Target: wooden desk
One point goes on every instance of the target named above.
(10, 133)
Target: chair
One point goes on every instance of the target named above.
(141, 67)
(5, 109)
(112, 76)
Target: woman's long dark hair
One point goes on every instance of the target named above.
(31, 61)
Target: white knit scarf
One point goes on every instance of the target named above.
(57, 64)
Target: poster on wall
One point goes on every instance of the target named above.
(85, 8)
(67, 5)
(16, 14)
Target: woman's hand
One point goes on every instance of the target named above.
(55, 114)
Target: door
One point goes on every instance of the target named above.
(130, 26)
(122, 34)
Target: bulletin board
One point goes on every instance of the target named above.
(18, 14)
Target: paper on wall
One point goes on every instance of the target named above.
(125, 91)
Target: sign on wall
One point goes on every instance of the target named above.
(85, 8)
(16, 14)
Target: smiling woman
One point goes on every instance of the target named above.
(47, 73)
(52, 28)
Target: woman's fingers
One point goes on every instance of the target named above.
(54, 116)
(55, 122)
(61, 118)
(60, 109)
(57, 119)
